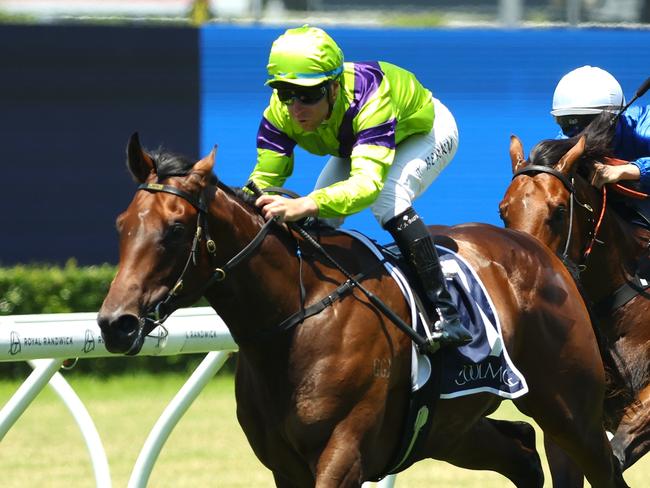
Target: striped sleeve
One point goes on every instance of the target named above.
(274, 155)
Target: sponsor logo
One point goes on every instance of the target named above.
(407, 220)
(15, 347)
(201, 334)
(441, 150)
(89, 341)
(474, 373)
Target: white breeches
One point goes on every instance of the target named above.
(419, 159)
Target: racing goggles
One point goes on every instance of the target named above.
(306, 95)
(572, 125)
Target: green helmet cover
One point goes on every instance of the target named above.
(305, 56)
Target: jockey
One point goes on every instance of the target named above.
(389, 138)
(579, 97)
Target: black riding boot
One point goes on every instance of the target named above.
(414, 241)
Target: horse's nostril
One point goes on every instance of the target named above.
(121, 333)
(123, 325)
(127, 324)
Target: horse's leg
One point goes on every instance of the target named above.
(339, 465)
(496, 445)
(564, 472)
(290, 470)
(573, 420)
(632, 438)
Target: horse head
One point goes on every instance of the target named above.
(542, 198)
(160, 255)
(550, 195)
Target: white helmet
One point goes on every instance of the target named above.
(587, 90)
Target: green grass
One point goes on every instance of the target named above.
(207, 447)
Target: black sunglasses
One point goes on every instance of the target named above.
(304, 95)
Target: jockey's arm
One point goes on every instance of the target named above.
(633, 136)
(605, 173)
(368, 168)
(275, 154)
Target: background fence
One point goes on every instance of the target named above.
(61, 336)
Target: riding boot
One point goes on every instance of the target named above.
(414, 241)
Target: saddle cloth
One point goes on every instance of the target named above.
(483, 365)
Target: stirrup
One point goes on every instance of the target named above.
(450, 333)
(430, 346)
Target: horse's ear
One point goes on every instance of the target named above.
(139, 162)
(204, 167)
(516, 153)
(568, 160)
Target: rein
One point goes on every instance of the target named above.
(569, 185)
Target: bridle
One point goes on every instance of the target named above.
(569, 185)
(160, 312)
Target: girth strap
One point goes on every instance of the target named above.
(623, 294)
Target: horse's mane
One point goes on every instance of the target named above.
(242, 195)
(168, 164)
(599, 135)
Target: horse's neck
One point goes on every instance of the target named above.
(262, 289)
(613, 260)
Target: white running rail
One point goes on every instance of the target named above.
(58, 337)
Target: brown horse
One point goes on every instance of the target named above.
(311, 399)
(550, 197)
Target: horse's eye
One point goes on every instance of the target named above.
(174, 233)
(558, 215)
